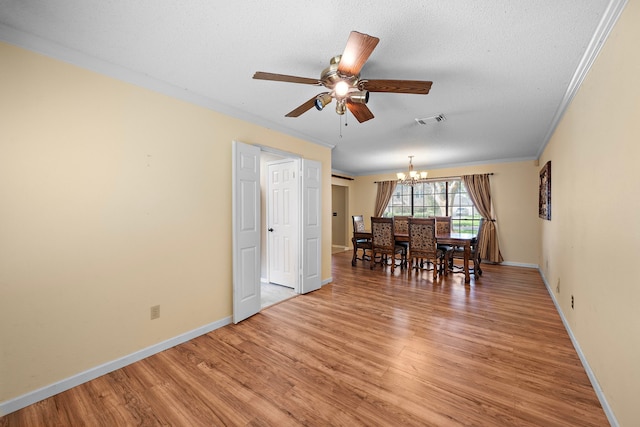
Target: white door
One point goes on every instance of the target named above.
(283, 207)
(246, 230)
(311, 225)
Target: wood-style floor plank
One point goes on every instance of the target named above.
(373, 348)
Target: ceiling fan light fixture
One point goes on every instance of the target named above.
(341, 106)
(359, 97)
(322, 101)
(341, 88)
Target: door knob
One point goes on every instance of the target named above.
(271, 229)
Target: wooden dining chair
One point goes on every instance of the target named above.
(383, 243)
(401, 226)
(458, 253)
(444, 225)
(423, 245)
(359, 242)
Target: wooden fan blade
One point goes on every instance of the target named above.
(302, 108)
(360, 111)
(261, 75)
(359, 47)
(396, 86)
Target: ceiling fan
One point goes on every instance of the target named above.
(342, 79)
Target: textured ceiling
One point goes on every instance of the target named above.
(503, 71)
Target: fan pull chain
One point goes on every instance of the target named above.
(345, 123)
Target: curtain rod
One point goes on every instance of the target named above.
(439, 178)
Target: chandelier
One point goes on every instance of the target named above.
(413, 177)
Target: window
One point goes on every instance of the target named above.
(436, 198)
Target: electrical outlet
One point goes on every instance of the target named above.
(155, 312)
(572, 302)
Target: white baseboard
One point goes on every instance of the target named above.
(520, 264)
(594, 382)
(30, 398)
(327, 281)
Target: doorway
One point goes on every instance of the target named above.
(249, 226)
(281, 205)
(339, 223)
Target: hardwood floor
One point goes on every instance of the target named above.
(371, 349)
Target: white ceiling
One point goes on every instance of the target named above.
(502, 70)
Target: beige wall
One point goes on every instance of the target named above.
(515, 201)
(591, 241)
(113, 198)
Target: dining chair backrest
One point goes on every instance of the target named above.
(401, 224)
(358, 223)
(443, 224)
(422, 237)
(382, 233)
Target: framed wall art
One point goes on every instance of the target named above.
(544, 202)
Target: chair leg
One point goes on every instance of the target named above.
(445, 267)
(355, 254)
(477, 271)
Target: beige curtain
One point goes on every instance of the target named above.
(479, 190)
(385, 191)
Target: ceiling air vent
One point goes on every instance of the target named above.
(427, 120)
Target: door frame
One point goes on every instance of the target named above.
(310, 228)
